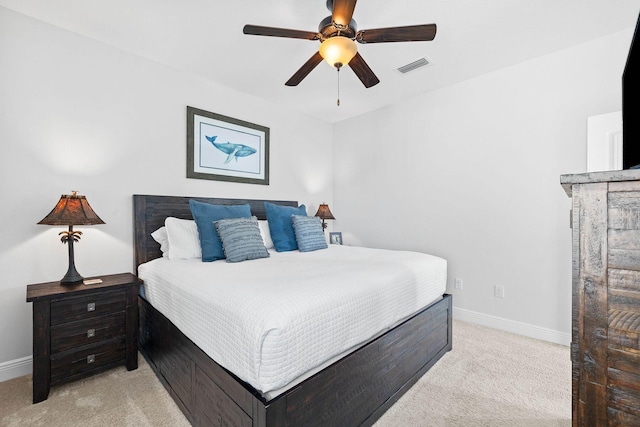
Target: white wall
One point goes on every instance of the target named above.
(471, 173)
(79, 115)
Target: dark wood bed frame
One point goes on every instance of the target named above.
(355, 390)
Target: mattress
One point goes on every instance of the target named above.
(272, 321)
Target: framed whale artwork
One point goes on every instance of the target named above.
(226, 149)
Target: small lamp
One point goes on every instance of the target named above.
(71, 210)
(325, 213)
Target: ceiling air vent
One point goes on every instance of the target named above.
(414, 65)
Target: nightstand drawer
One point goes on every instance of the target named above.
(86, 307)
(68, 364)
(85, 332)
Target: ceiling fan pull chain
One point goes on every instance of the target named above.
(338, 86)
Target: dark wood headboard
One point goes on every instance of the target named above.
(149, 213)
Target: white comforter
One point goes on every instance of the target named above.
(271, 320)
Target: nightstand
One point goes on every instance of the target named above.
(79, 330)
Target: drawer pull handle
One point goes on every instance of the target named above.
(91, 333)
(91, 306)
(91, 358)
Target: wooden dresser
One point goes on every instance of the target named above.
(79, 330)
(605, 348)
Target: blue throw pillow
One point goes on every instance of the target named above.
(241, 239)
(309, 233)
(280, 226)
(205, 214)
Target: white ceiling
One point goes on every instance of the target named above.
(205, 37)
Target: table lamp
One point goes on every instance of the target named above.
(325, 213)
(71, 210)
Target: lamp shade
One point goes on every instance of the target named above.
(72, 210)
(324, 212)
(338, 50)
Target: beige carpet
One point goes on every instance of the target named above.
(491, 378)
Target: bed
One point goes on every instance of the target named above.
(353, 388)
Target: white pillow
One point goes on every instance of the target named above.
(182, 235)
(160, 236)
(266, 234)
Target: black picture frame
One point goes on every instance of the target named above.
(223, 148)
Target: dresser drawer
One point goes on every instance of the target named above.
(64, 365)
(86, 307)
(86, 332)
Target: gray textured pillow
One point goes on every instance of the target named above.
(309, 234)
(241, 239)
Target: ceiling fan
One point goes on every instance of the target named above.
(337, 34)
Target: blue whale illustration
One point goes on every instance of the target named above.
(233, 150)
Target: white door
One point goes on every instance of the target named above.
(604, 142)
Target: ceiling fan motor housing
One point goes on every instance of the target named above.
(328, 29)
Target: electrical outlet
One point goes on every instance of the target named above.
(458, 283)
(498, 291)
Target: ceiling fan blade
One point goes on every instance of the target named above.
(305, 70)
(258, 30)
(363, 71)
(343, 11)
(413, 33)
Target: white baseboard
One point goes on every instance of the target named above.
(15, 368)
(520, 328)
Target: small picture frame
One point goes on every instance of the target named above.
(335, 237)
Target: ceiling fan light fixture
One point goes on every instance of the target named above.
(338, 51)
